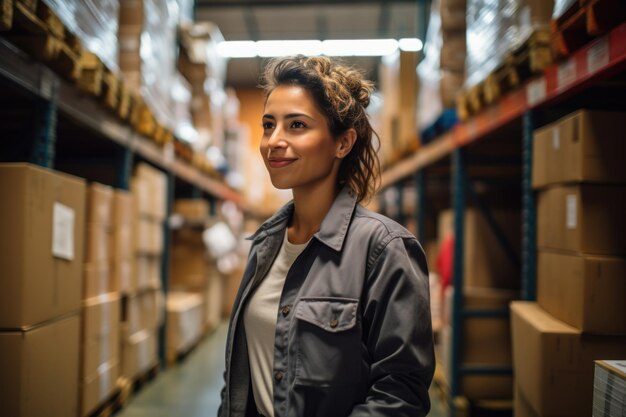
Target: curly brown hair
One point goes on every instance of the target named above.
(342, 94)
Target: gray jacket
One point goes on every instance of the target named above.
(353, 331)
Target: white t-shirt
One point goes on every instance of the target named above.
(260, 318)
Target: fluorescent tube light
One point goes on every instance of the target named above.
(237, 49)
(285, 48)
(359, 47)
(410, 44)
(330, 47)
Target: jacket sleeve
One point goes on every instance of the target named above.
(397, 332)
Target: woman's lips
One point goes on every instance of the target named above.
(280, 162)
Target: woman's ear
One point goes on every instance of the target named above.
(345, 143)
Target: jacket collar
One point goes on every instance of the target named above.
(334, 226)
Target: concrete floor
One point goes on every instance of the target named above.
(192, 389)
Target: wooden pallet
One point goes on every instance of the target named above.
(116, 401)
(145, 378)
(531, 58)
(584, 21)
(6, 15)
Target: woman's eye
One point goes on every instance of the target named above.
(298, 125)
(268, 125)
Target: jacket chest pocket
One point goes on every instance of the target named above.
(328, 341)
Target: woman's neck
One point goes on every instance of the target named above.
(310, 208)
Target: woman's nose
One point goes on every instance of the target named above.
(277, 138)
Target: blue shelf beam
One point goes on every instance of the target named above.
(529, 213)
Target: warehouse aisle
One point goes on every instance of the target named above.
(192, 389)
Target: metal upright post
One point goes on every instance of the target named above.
(212, 206)
(165, 266)
(125, 171)
(420, 205)
(45, 125)
(529, 215)
(459, 183)
(400, 203)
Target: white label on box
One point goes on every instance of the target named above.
(556, 139)
(536, 91)
(566, 73)
(598, 56)
(570, 210)
(63, 231)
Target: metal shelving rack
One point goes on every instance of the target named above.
(54, 97)
(527, 107)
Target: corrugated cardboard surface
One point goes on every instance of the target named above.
(184, 320)
(122, 274)
(147, 272)
(96, 389)
(521, 408)
(143, 311)
(101, 332)
(37, 286)
(39, 374)
(139, 353)
(98, 243)
(99, 204)
(583, 146)
(586, 292)
(123, 208)
(553, 361)
(196, 209)
(122, 248)
(582, 218)
(98, 279)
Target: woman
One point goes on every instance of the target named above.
(332, 317)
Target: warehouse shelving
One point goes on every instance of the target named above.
(67, 127)
(593, 76)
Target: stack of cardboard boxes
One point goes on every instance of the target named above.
(580, 315)
(142, 305)
(453, 49)
(398, 117)
(41, 259)
(192, 271)
(491, 280)
(101, 303)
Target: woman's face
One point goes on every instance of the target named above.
(297, 146)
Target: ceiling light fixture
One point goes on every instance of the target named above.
(330, 47)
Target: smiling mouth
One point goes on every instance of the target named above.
(279, 163)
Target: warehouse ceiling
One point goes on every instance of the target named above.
(308, 19)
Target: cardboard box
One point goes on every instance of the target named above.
(553, 361)
(189, 267)
(521, 408)
(140, 189)
(123, 208)
(139, 353)
(157, 185)
(98, 243)
(582, 218)
(184, 321)
(486, 262)
(99, 204)
(453, 15)
(584, 146)
(40, 370)
(586, 292)
(99, 387)
(122, 274)
(98, 279)
(194, 209)
(147, 272)
(144, 311)
(131, 13)
(453, 52)
(122, 248)
(42, 220)
(148, 237)
(101, 333)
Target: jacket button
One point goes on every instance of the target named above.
(285, 310)
(333, 323)
(278, 376)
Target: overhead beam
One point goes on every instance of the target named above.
(214, 4)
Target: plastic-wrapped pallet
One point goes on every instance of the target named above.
(147, 42)
(95, 22)
(561, 6)
(184, 321)
(496, 27)
(609, 389)
(441, 72)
